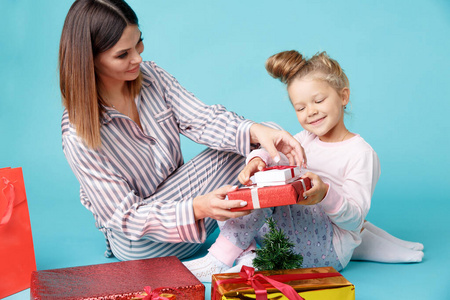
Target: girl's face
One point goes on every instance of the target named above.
(121, 62)
(319, 107)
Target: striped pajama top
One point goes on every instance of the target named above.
(118, 181)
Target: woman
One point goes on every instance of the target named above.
(120, 134)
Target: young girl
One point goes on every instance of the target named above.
(328, 227)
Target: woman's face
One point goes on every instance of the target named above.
(121, 62)
(319, 107)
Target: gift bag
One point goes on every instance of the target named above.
(17, 259)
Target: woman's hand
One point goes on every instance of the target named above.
(274, 140)
(317, 192)
(254, 165)
(214, 205)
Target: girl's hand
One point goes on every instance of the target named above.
(317, 192)
(254, 165)
(214, 205)
(274, 140)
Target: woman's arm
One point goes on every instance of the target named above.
(210, 125)
(274, 141)
(117, 206)
(218, 128)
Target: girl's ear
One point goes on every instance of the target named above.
(345, 96)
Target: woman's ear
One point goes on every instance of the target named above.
(345, 96)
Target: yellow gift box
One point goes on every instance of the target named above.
(308, 284)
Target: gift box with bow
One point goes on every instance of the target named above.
(295, 284)
(277, 175)
(157, 294)
(270, 196)
(120, 281)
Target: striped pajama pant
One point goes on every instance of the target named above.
(206, 172)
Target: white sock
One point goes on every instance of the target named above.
(204, 267)
(245, 259)
(376, 248)
(381, 233)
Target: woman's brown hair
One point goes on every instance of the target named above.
(91, 27)
(289, 65)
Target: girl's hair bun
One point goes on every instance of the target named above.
(288, 65)
(285, 65)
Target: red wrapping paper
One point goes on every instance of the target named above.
(270, 196)
(118, 280)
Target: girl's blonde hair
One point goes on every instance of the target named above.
(289, 65)
(91, 27)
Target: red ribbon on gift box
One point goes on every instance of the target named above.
(281, 168)
(247, 274)
(255, 196)
(152, 295)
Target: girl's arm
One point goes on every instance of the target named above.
(349, 208)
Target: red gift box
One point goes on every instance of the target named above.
(118, 280)
(270, 196)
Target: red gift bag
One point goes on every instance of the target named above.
(17, 259)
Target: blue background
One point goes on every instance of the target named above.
(394, 53)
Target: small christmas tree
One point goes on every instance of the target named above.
(277, 253)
